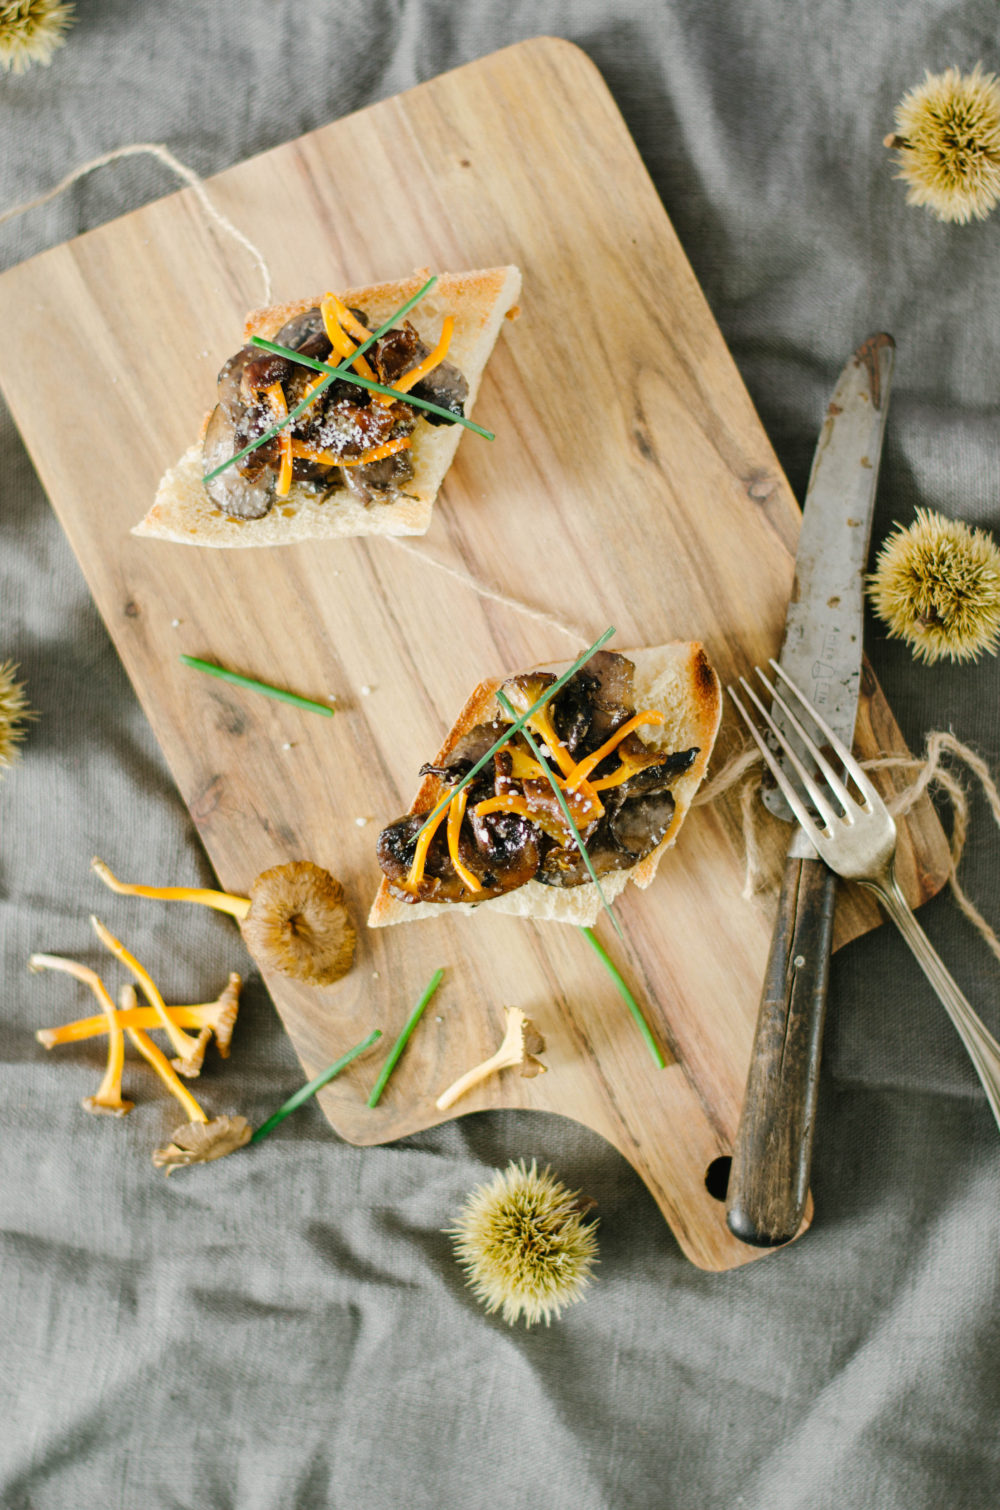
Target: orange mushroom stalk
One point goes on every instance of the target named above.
(190, 1051)
(219, 1015)
(222, 901)
(156, 1057)
(108, 1099)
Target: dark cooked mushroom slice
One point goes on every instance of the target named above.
(525, 690)
(263, 370)
(445, 386)
(379, 481)
(471, 748)
(641, 822)
(603, 688)
(629, 831)
(399, 351)
(661, 772)
(545, 809)
(502, 855)
(230, 381)
(573, 713)
(239, 496)
(564, 865)
(395, 353)
(304, 332)
(347, 428)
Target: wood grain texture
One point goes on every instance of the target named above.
(769, 1180)
(630, 484)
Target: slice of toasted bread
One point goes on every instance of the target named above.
(678, 679)
(478, 301)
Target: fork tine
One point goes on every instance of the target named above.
(850, 764)
(819, 802)
(788, 791)
(839, 789)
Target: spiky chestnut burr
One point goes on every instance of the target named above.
(14, 714)
(31, 30)
(936, 585)
(523, 1244)
(948, 139)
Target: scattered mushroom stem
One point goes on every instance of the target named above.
(218, 1015)
(237, 907)
(190, 1051)
(108, 1098)
(520, 1044)
(156, 1057)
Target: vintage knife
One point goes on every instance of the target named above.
(769, 1179)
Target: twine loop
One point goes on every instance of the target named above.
(928, 772)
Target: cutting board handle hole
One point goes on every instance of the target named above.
(717, 1177)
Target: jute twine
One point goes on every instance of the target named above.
(190, 177)
(927, 772)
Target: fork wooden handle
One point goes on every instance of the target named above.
(769, 1179)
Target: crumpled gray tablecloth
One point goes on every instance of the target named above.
(290, 1330)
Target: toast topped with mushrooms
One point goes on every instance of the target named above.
(627, 740)
(354, 462)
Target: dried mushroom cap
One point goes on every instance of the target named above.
(534, 1044)
(200, 1142)
(298, 923)
(226, 1010)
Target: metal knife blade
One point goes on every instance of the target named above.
(769, 1178)
(821, 650)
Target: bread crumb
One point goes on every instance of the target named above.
(361, 822)
(367, 691)
(375, 975)
(175, 623)
(287, 746)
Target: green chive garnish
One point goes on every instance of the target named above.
(560, 796)
(294, 1102)
(516, 727)
(343, 370)
(363, 382)
(255, 686)
(403, 1039)
(627, 996)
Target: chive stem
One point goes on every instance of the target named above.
(516, 727)
(255, 686)
(403, 1039)
(368, 383)
(561, 799)
(294, 1102)
(311, 398)
(627, 996)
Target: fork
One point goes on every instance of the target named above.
(859, 843)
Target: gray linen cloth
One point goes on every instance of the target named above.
(289, 1330)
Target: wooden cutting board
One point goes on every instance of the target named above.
(630, 484)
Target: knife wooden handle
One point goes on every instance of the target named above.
(769, 1179)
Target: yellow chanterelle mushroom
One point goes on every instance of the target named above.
(294, 921)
